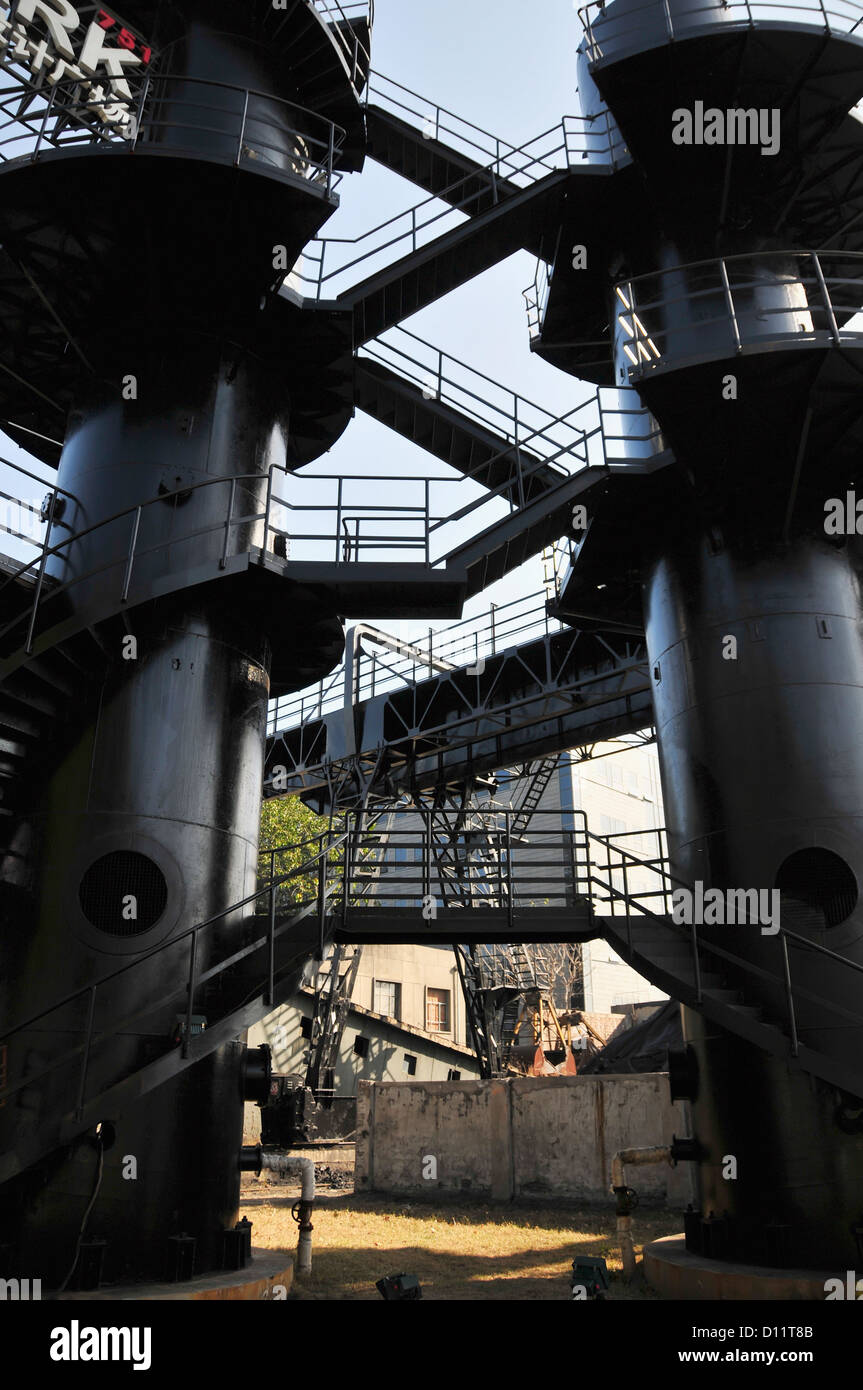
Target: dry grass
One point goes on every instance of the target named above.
(457, 1251)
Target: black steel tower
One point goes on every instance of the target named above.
(724, 285)
(170, 166)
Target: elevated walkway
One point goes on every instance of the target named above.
(486, 694)
(562, 883)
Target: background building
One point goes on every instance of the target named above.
(407, 1017)
(621, 797)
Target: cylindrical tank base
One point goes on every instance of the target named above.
(776, 1161)
(177, 1150)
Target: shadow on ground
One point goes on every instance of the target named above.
(457, 1251)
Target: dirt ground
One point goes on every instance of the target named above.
(459, 1251)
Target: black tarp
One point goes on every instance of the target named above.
(642, 1048)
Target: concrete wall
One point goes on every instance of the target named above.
(528, 1137)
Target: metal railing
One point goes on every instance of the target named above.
(324, 865)
(573, 139)
(25, 518)
(181, 113)
(624, 868)
(47, 587)
(336, 526)
(761, 301)
(327, 518)
(536, 297)
(339, 520)
(536, 300)
(343, 21)
(483, 147)
(609, 426)
(351, 520)
(571, 867)
(659, 21)
(379, 669)
(350, 869)
(506, 872)
(519, 421)
(439, 123)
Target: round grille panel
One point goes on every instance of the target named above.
(822, 881)
(123, 894)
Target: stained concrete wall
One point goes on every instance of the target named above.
(529, 1137)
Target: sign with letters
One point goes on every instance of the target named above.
(84, 52)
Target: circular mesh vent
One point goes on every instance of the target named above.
(123, 893)
(822, 881)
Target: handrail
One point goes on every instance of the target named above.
(47, 551)
(536, 297)
(461, 643)
(346, 16)
(438, 381)
(783, 937)
(474, 186)
(322, 857)
(475, 650)
(431, 114)
(621, 32)
(744, 314)
(318, 141)
(504, 876)
(605, 402)
(377, 541)
(780, 253)
(505, 881)
(35, 506)
(164, 946)
(128, 511)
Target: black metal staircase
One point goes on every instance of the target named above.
(536, 789)
(428, 273)
(441, 430)
(425, 160)
(220, 989)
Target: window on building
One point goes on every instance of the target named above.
(306, 1027)
(453, 1075)
(387, 998)
(437, 1010)
(361, 1046)
(410, 1064)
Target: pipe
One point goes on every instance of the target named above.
(627, 1199)
(291, 1163)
